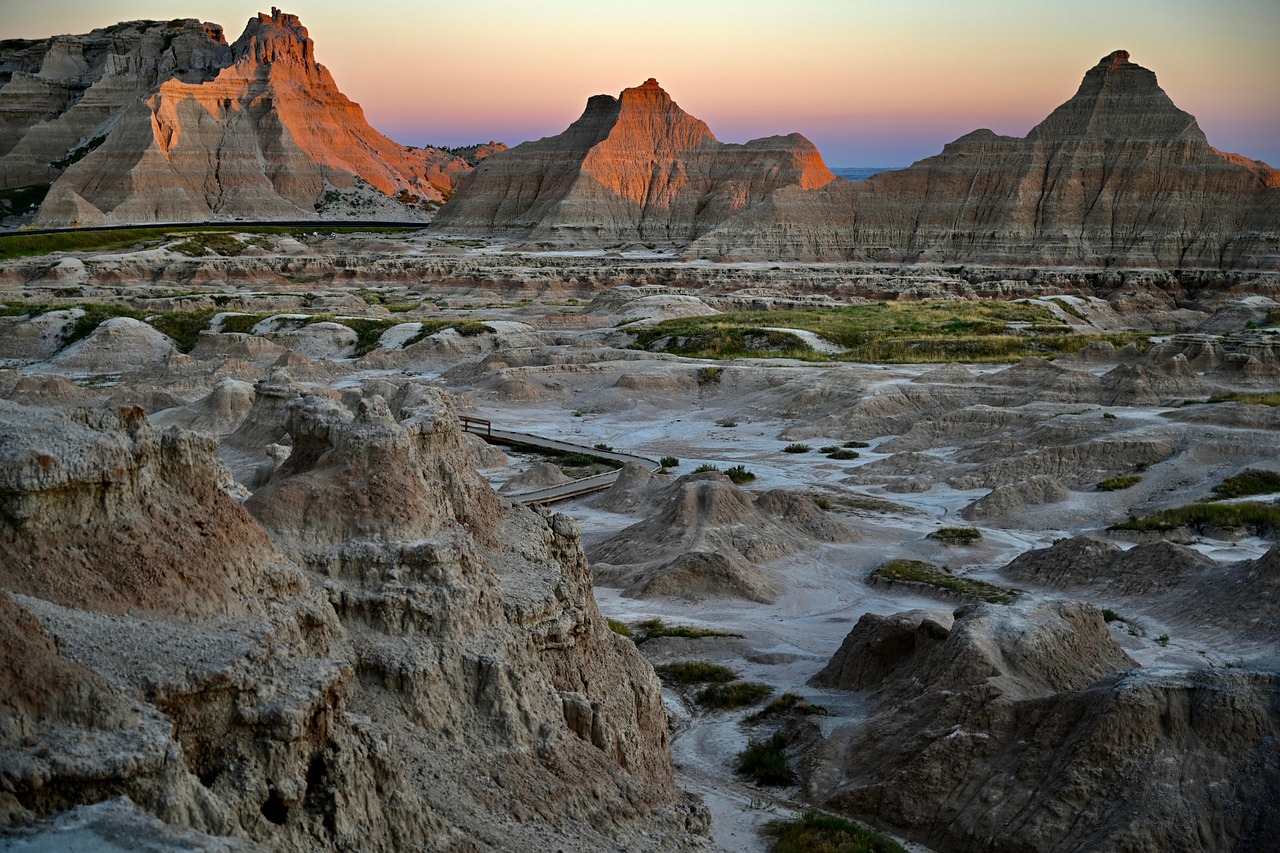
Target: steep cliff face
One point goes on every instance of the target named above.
(1116, 176)
(190, 130)
(391, 659)
(635, 167)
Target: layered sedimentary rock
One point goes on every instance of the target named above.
(1026, 728)
(383, 655)
(635, 167)
(183, 127)
(1116, 176)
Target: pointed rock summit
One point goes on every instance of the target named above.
(634, 167)
(1116, 176)
(258, 130)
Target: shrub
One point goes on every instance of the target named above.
(1260, 516)
(822, 502)
(653, 628)
(797, 448)
(957, 535)
(765, 761)
(739, 474)
(618, 628)
(669, 462)
(689, 672)
(830, 448)
(605, 447)
(791, 703)
(940, 577)
(858, 444)
(704, 468)
(819, 833)
(1109, 615)
(843, 454)
(709, 374)
(1163, 640)
(736, 694)
(1115, 484)
(727, 423)
(1250, 481)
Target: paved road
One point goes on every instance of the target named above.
(564, 491)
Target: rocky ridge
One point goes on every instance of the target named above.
(631, 168)
(167, 123)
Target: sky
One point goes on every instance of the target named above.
(870, 83)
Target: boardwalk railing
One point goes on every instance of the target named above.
(564, 491)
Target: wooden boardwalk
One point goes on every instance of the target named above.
(564, 491)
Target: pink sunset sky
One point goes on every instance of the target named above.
(872, 84)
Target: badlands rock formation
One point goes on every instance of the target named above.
(1026, 727)
(632, 168)
(1116, 176)
(166, 123)
(383, 655)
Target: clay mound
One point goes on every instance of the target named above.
(695, 576)
(959, 427)
(540, 475)
(236, 345)
(44, 390)
(1089, 562)
(705, 523)
(319, 341)
(115, 346)
(484, 454)
(1235, 415)
(103, 511)
(948, 374)
(635, 487)
(1013, 498)
(880, 646)
(39, 337)
(1029, 709)
(219, 414)
(1070, 564)
(369, 478)
(1076, 466)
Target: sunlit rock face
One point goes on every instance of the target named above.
(635, 167)
(253, 130)
(1116, 176)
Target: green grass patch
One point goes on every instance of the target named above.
(1116, 484)
(815, 832)
(1250, 514)
(1256, 398)
(619, 628)
(651, 629)
(765, 762)
(788, 703)
(669, 462)
(21, 245)
(940, 577)
(904, 332)
(797, 448)
(735, 694)
(957, 535)
(687, 672)
(467, 328)
(1251, 481)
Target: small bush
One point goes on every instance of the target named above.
(653, 628)
(739, 474)
(791, 703)
(605, 447)
(727, 423)
(940, 577)
(689, 672)
(797, 448)
(705, 467)
(1163, 640)
(1115, 484)
(618, 628)
(957, 535)
(829, 448)
(669, 462)
(736, 694)
(1107, 416)
(843, 454)
(709, 374)
(765, 761)
(819, 833)
(1262, 517)
(858, 444)
(822, 502)
(1109, 615)
(1251, 481)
